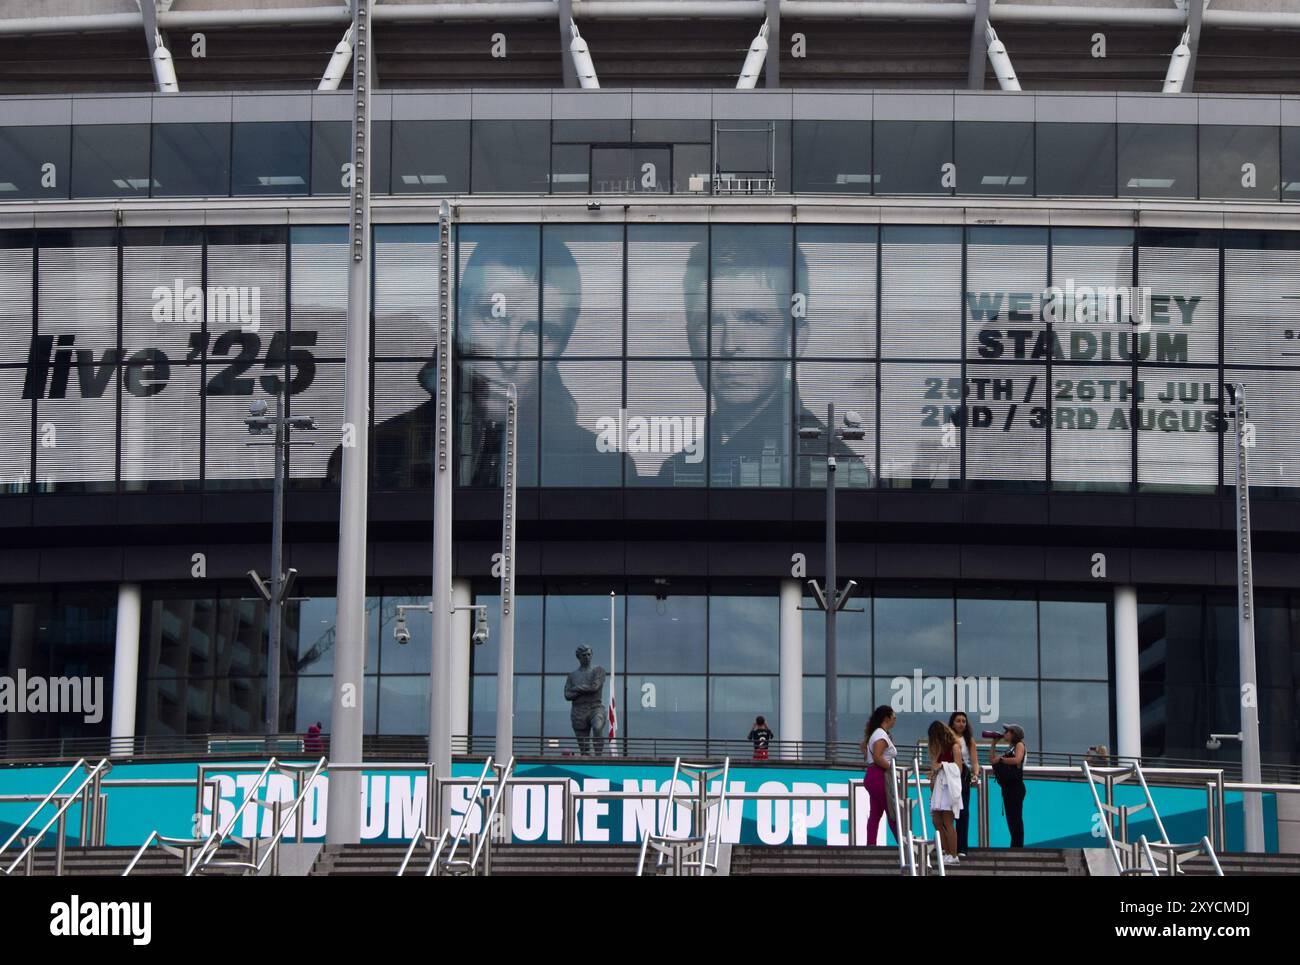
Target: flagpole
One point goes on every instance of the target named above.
(613, 680)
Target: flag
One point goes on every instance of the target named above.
(613, 679)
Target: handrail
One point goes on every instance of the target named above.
(1160, 825)
(46, 800)
(1145, 845)
(898, 823)
(722, 813)
(1105, 818)
(669, 817)
(700, 813)
(464, 818)
(203, 857)
(485, 833)
(274, 844)
(920, 806)
(102, 767)
(171, 845)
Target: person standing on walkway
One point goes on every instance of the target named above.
(959, 724)
(1009, 769)
(761, 735)
(878, 748)
(945, 787)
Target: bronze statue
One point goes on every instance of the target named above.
(584, 690)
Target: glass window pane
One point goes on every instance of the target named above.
(995, 157)
(511, 156)
(582, 297)
(913, 632)
(402, 437)
(852, 387)
(744, 635)
(34, 162)
(660, 705)
(734, 702)
(910, 155)
(836, 274)
(309, 632)
(1075, 640)
(331, 157)
(574, 621)
(692, 167)
(750, 448)
(430, 157)
(570, 169)
(1157, 160)
(528, 634)
(1291, 164)
(1179, 429)
(528, 706)
(920, 435)
(482, 418)
(271, 158)
(666, 634)
(832, 157)
(406, 291)
(667, 290)
(110, 161)
(664, 432)
(191, 160)
(1238, 162)
(754, 149)
(921, 293)
(852, 638)
(403, 705)
(997, 637)
(1075, 160)
(497, 308)
(854, 702)
(581, 412)
(1076, 716)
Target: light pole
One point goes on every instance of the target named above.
(506, 660)
(832, 599)
(1248, 698)
(281, 584)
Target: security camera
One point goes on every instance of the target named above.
(480, 636)
(257, 408)
(400, 633)
(852, 419)
(1213, 744)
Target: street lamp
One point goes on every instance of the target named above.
(281, 428)
(832, 599)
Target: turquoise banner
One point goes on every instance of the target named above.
(1057, 813)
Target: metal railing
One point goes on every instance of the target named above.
(1129, 856)
(682, 850)
(218, 838)
(88, 792)
(445, 843)
(918, 859)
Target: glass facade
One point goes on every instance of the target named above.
(661, 355)
(639, 156)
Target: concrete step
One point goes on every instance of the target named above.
(507, 860)
(112, 861)
(794, 860)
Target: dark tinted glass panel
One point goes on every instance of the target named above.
(271, 158)
(743, 634)
(754, 150)
(909, 156)
(659, 705)
(190, 160)
(511, 156)
(995, 158)
(1157, 161)
(691, 168)
(1074, 638)
(666, 634)
(528, 634)
(734, 702)
(854, 702)
(913, 632)
(623, 170)
(574, 621)
(832, 157)
(1239, 162)
(309, 633)
(571, 169)
(331, 156)
(34, 162)
(852, 638)
(609, 131)
(430, 157)
(110, 161)
(1075, 160)
(699, 131)
(482, 417)
(1076, 716)
(997, 637)
(1291, 164)
(528, 707)
(581, 411)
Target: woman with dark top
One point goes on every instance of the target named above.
(959, 724)
(1009, 768)
(878, 748)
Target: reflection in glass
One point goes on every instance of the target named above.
(574, 621)
(33, 162)
(734, 702)
(1291, 164)
(1157, 160)
(331, 157)
(832, 157)
(430, 157)
(571, 169)
(1075, 641)
(481, 415)
(528, 634)
(511, 156)
(665, 706)
(743, 634)
(1075, 160)
(1238, 161)
(667, 635)
(995, 157)
(852, 637)
(404, 705)
(997, 637)
(110, 161)
(914, 632)
(271, 158)
(910, 156)
(1076, 716)
(191, 160)
(854, 703)
(528, 706)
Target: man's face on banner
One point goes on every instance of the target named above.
(750, 339)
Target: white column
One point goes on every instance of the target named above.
(460, 656)
(790, 726)
(1128, 697)
(126, 667)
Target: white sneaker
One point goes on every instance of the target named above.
(951, 859)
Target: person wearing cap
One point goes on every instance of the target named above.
(1009, 769)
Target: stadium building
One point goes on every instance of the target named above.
(1026, 245)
